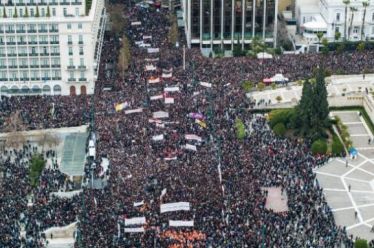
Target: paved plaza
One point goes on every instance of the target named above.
(350, 188)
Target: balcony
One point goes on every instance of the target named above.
(82, 67)
(82, 79)
(71, 80)
(71, 67)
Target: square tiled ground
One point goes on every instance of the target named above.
(330, 182)
(356, 129)
(337, 199)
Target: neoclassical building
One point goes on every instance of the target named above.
(50, 46)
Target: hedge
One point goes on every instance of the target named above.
(319, 147)
(279, 129)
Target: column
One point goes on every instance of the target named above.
(264, 22)
(243, 22)
(275, 25)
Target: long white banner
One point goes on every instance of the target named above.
(135, 221)
(178, 223)
(134, 230)
(175, 206)
(131, 111)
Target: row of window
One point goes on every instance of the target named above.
(32, 39)
(33, 75)
(30, 28)
(32, 51)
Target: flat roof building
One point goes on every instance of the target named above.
(210, 23)
(50, 47)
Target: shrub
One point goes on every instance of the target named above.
(279, 129)
(337, 147)
(319, 147)
(240, 129)
(361, 243)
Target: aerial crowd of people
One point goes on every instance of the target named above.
(179, 176)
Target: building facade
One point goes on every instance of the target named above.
(211, 23)
(50, 47)
(329, 17)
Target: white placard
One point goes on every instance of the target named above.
(175, 206)
(171, 89)
(205, 84)
(169, 100)
(131, 111)
(135, 221)
(179, 223)
(134, 230)
(158, 137)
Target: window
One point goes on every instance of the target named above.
(81, 50)
(80, 25)
(53, 11)
(69, 25)
(338, 17)
(70, 51)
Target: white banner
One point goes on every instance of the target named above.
(171, 89)
(160, 114)
(157, 97)
(205, 84)
(150, 68)
(137, 204)
(193, 137)
(167, 75)
(136, 23)
(153, 50)
(131, 111)
(134, 230)
(169, 100)
(158, 137)
(191, 147)
(153, 80)
(177, 223)
(135, 221)
(175, 206)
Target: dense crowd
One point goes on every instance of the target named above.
(221, 177)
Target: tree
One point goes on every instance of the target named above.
(346, 3)
(173, 31)
(48, 12)
(305, 108)
(365, 4)
(26, 12)
(37, 164)
(320, 119)
(353, 10)
(37, 11)
(15, 15)
(361, 46)
(117, 19)
(337, 36)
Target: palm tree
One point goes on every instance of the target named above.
(365, 4)
(353, 10)
(346, 2)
